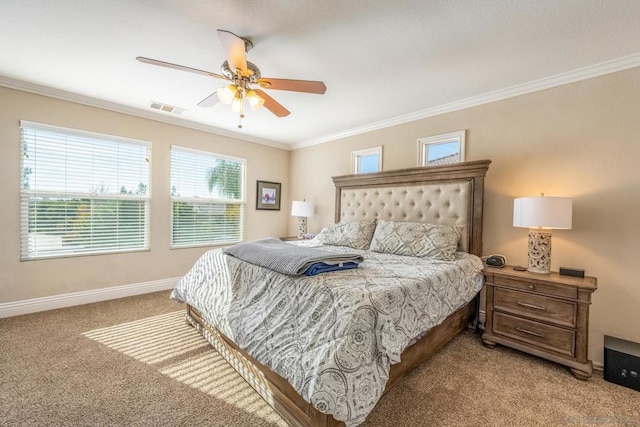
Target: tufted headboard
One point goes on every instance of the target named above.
(450, 195)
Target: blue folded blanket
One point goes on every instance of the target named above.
(321, 267)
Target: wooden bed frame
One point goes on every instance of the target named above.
(275, 389)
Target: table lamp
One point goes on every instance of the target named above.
(540, 215)
(302, 210)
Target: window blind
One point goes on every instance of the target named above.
(82, 193)
(207, 195)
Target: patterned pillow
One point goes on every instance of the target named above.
(416, 239)
(354, 234)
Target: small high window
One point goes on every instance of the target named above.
(367, 160)
(444, 149)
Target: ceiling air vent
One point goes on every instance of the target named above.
(167, 108)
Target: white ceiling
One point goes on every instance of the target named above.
(383, 61)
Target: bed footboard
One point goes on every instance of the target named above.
(278, 393)
(283, 397)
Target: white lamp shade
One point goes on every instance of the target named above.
(546, 212)
(254, 100)
(302, 209)
(227, 93)
(236, 103)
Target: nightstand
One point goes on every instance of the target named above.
(546, 315)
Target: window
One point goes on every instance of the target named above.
(207, 195)
(367, 160)
(442, 149)
(82, 193)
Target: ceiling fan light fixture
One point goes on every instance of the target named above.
(241, 73)
(254, 100)
(227, 94)
(236, 103)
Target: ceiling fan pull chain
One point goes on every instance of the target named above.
(242, 105)
(241, 110)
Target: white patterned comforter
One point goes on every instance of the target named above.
(333, 336)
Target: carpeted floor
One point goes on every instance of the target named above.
(135, 362)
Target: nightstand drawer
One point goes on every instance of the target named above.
(547, 337)
(537, 307)
(541, 288)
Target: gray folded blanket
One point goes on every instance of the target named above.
(286, 258)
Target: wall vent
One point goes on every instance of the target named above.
(168, 108)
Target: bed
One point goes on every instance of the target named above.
(344, 375)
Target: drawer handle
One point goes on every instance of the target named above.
(537, 307)
(526, 331)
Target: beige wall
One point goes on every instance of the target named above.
(31, 279)
(579, 140)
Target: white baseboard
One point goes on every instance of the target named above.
(16, 308)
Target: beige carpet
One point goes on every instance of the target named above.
(135, 362)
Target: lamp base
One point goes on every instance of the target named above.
(539, 258)
(302, 226)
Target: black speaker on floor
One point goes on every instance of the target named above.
(622, 362)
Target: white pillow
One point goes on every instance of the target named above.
(416, 239)
(354, 234)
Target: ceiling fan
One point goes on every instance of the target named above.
(243, 75)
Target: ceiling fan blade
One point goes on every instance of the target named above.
(209, 101)
(235, 50)
(178, 67)
(272, 105)
(307, 86)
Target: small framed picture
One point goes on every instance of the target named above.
(268, 196)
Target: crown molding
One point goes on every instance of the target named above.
(37, 89)
(608, 67)
(596, 70)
